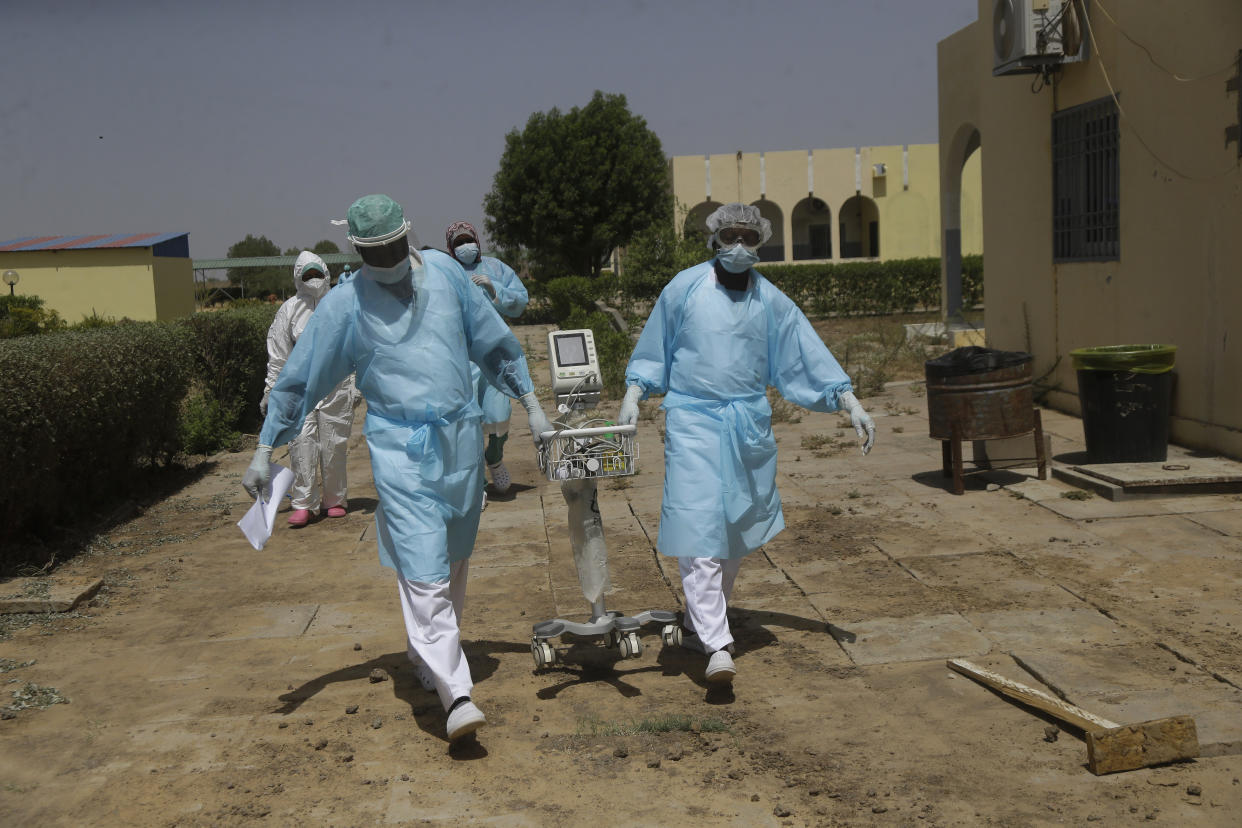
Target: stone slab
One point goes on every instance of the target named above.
(1095, 508)
(917, 638)
(1183, 470)
(1037, 629)
(45, 594)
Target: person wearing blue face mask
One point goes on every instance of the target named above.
(409, 326)
(719, 335)
(508, 295)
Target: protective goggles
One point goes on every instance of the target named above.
(732, 235)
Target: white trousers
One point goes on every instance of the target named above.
(321, 447)
(708, 583)
(432, 614)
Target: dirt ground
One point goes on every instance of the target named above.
(209, 684)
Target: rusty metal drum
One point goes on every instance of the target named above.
(985, 393)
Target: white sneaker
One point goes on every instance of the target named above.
(464, 720)
(500, 477)
(720, 669)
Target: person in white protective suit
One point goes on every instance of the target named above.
(408, 325)
(717, 337)
(317, 455)
(508, 294)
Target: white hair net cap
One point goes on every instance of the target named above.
(738, 215)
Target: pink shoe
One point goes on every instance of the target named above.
(336, 511)
(299, 518)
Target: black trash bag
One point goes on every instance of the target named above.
(973, 360)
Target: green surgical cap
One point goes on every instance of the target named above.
(376, 219)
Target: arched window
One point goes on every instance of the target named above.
(695, 225)
(774, 250)
(860, 228)
(812, 229)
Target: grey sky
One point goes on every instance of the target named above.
(226, 118)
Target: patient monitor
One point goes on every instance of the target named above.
(576, 379)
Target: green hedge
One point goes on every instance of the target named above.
(80, 411)
(86, 411)
(893, 286)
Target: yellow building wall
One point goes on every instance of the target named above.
(125, 282)
(174, 286)
(1176, 281)
(909, 216)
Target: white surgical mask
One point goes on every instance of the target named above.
(737, 259)
(388, 275)
(467, 254)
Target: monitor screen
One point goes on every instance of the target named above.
(571, 350)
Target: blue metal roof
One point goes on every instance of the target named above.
(88, 242)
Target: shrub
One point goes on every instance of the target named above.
(893, 286)
(205, 424)
(230, 358)
(570, 294)
(83, 410)
(25, 315)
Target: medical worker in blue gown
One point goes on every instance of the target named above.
(505, 290)
(718, 336)
(408, 325)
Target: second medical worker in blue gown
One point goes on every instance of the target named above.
(718, 336)
(508, 294)
(409, 324)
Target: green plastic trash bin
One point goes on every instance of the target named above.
(1126, 392)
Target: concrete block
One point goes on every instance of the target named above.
(46, 594)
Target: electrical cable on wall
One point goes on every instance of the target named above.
(1126, 118)
(1230, 65)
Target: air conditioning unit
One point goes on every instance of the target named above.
(878, 170)
(1032, 35)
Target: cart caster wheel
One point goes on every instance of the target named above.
(612, 638)
(543, 653)
(631, 646)
(671, 635)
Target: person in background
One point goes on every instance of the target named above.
(508, 295)
(718, 336)
(317, 455)
(409, 326)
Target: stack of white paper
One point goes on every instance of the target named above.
(257, 523)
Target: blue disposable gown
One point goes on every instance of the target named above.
(412, 361)
(511, 299)
(713, 353)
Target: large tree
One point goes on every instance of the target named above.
(259, 281)
(573, 186)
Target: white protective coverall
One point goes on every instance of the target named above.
(320, 448)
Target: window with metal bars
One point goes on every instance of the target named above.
(1086, 189)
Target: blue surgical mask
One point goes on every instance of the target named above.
(467, 254)
(737, 259)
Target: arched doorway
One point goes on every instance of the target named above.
(695, 225)
(859, 235)
(774, 250)
(812, 229)
(965, 142)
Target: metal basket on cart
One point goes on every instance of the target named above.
(602, 451)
